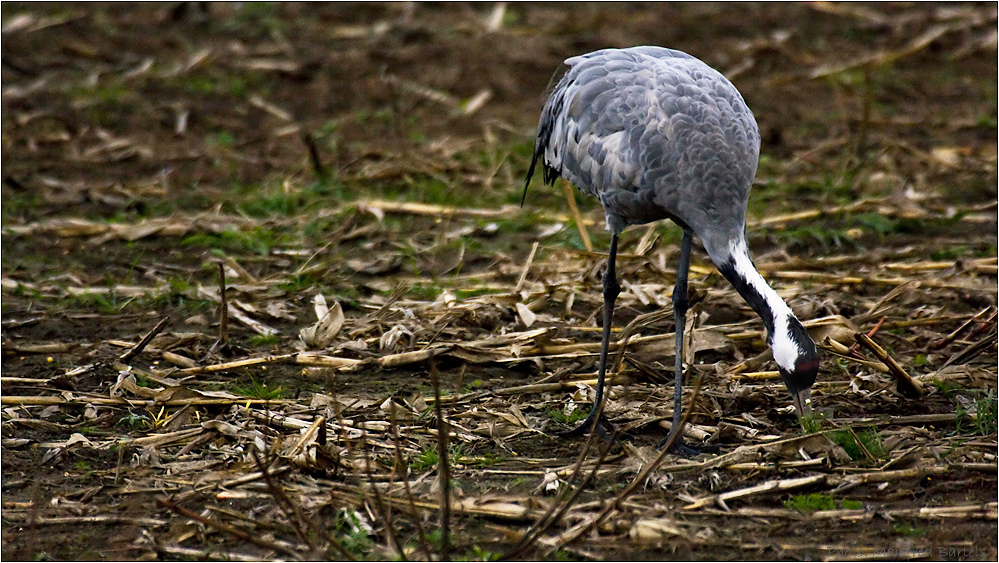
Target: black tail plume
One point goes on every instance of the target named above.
(530, 172)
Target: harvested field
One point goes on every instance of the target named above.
(268, 291)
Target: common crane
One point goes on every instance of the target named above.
(655, 133)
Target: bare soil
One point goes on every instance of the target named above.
(373, 154)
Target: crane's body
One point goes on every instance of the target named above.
(655, 133)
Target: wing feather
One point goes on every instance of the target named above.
(654, 133)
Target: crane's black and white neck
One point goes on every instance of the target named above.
(794, 351)
(655, 134)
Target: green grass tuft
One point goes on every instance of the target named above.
(908, 530)
(484, 460)
(476, 553)
(429, 458)
(869, 439)
(813, 423)
(815, 502)
(264, 340)
(985, 414)
(558, 415)
(811, 503)
(258, 240)
(258, 390)
(947, 388)
(350, 533)
(134, 421)
(826, 236)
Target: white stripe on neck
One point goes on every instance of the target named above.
(785, 349)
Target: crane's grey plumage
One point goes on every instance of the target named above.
(655, 133)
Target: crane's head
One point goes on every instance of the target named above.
(798, 363)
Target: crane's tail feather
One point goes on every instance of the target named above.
(548, 173)
(530, 172)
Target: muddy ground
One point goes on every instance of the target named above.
(373, 154)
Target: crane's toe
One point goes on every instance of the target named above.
(603, 427)
(680, 448)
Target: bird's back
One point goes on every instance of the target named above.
(654, 133)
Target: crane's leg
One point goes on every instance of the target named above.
(680, 305)
(611, 290)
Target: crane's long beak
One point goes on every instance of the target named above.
(803, 402)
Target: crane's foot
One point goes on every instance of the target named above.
(680, 448)
(603, 427)
(684, 450)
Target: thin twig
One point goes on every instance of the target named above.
(314, 159)
(634, 326)
(906, 385)
(560, 508)
(952, 336)
(225, 528)
(296, 516)
(284, 503)
(855, 349)
(400, 462)
(570, 199)
(384, 512)
(246, 362)
(224, 308)
(137, 349)
(189, 553)
(614, 503)
(985, 325)
(550, 516)
(443, 467)
(974, 349)
(119, 402)
(527, 268)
